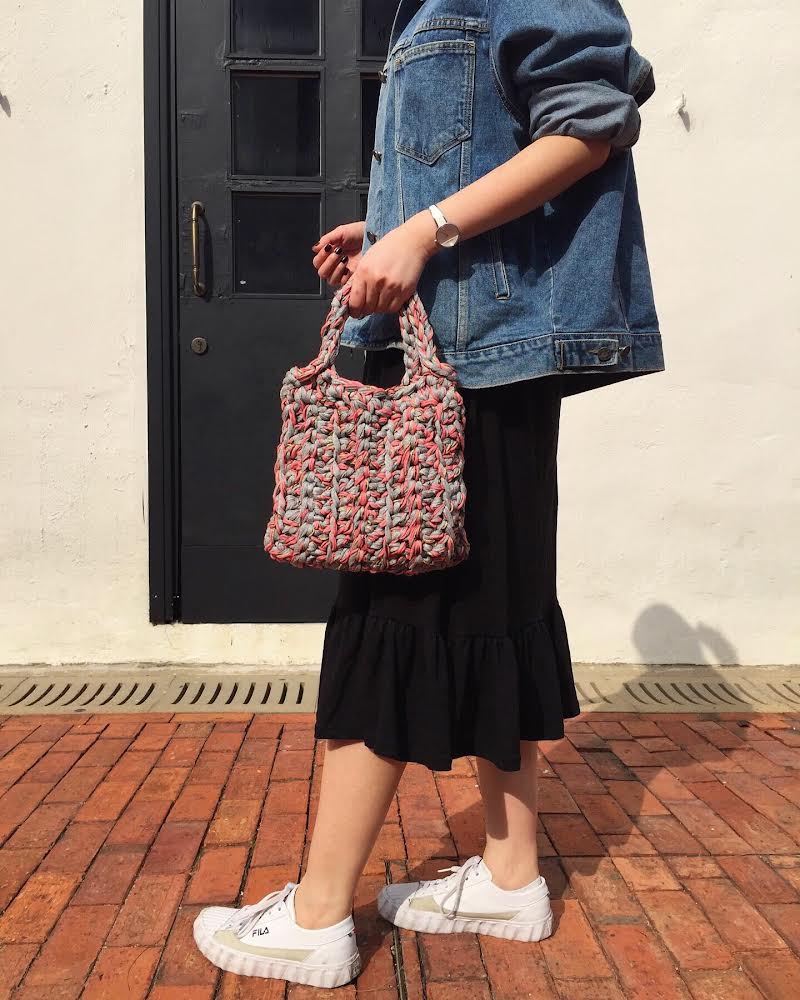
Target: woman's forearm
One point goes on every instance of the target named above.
(529, 179)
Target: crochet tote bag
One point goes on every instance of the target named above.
(369, 479)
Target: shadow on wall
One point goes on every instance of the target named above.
(660, 628)
(5, 104)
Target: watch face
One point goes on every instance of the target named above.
(447, 235)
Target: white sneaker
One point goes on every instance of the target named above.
(264, 940)
(468, 900)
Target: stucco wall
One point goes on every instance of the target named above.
(678, 491)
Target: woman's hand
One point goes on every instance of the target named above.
(337, 253)
(389, 270)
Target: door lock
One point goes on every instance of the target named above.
(199, 345)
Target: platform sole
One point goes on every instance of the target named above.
(324, 976)
(436, 923)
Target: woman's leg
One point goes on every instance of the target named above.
(510, 808)
(357, 790)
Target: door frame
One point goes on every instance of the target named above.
(161, 275)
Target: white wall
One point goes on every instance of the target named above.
(678, 491)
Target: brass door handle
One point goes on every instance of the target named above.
(198, 285)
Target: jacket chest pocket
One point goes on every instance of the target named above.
(433, 97)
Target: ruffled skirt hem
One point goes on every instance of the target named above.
(413, 694)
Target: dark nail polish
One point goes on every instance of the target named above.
(347, 271)
(338, 251)
(345, 260)
(328, 248)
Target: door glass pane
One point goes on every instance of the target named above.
(377, 17)
(275, 124)
(370, 90)
(272, 238)
(276, 27)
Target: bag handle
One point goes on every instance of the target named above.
(419, 349)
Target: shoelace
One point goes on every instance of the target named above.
(244, 920)
(462, 872)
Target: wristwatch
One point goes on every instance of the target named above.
(447, 233)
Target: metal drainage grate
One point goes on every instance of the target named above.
(157, 691)
(619, 688)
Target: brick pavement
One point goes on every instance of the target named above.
(670, 844)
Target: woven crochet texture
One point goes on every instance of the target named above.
(369, 479)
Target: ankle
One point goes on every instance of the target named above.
(314, 910)
(510, 874)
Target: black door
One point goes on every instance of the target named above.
(275, 114)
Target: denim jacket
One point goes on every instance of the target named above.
(565, 288)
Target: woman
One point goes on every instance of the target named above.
(515, 121)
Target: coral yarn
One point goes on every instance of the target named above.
(369, 479)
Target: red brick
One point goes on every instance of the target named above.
(147, 913)
(184, 992)
(626, 844)
(181, 752)
(260, 752)
(105, 752)
(472, 990)
(448, 957)
(51, 768)
(662, 783)
(509, 977)
(196, 802)
(243, 988)
(298, 739)
(603, 813)
(738, 922)
(17, 804)
(553, 797)
(218, 876)
(211, 769)
(388, 846)
(139, 824)
(573, 952)
(789, 787)
(758, 831)
(222, 741)
(107, 801)
(589, 989)
(572, 835)
(50, 730)
(785, 918)
(182, 963)
(694, 867)
(42, 828)
(610, 730)
(644, 968)
(15, 867)
(154, 736)
(194, 730)
(635, 799)
(175, 848)
(109, 878)
(77, 785)
(280, 840)
(74, 743)
(680, 733)
(757, 880)
(36, 908)
(684, 767)
(163, 783)
(75, 850)
(560, 752)
(602, 890)
(777, 974)
(713, 833)
(234, 822)
(607, 765)
(750, 760)
(642, 727)
(713, 759)
(768, 802)
(579, 778)
(262, 881)
(134, 766)
(292, 764)
(685, 930)
(72, 946)
(462, 803)
(14, 960)
(646, 873)
(249, 781)
(123, 726)
(632, 753)
(728, 984)
(122, 972)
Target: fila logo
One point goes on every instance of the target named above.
(261, 930)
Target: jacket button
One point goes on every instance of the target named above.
(371, 236)
(383, 75)
(603, 354)
(377, 155)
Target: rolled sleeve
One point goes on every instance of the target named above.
(567, 67)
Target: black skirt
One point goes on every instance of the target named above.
(472, 659)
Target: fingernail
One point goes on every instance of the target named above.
(338, 251)
(347, 271)
(328, 248)
(345, 259)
